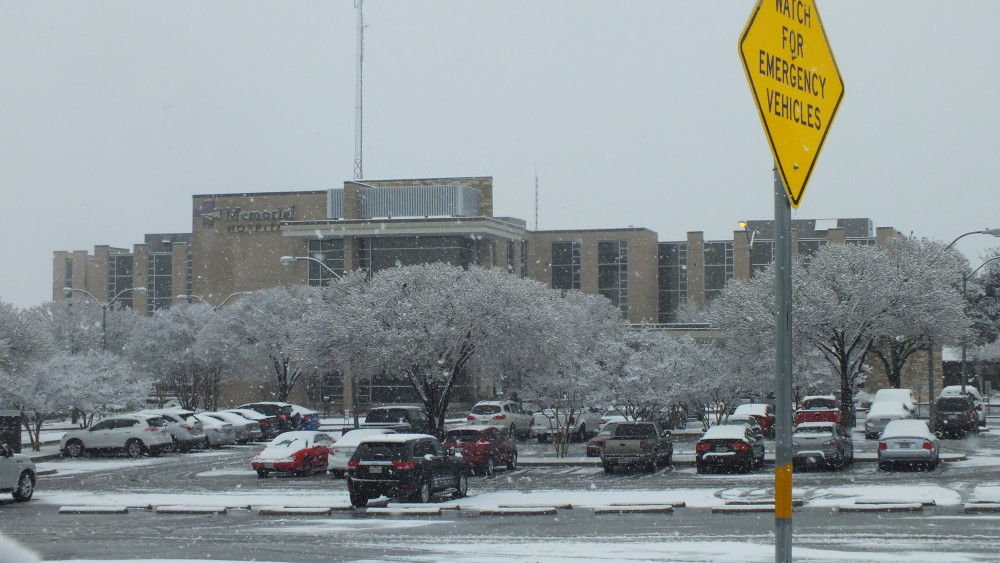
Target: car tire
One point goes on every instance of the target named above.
(74, 448)
(423, 494)
(700, 469)
(513, 432)
(542, 438)
(306, 469)
(883, 466)
(512, 462)
(609, 469)
(462, 488)
(154, 451)
(489, 467)
(869, 436)
(338, 473)
(263, 473)
(359, 499)
(25, 487)
(134, 448)
(581, 434)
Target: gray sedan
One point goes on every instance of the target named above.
(822, 443)
(908, 442)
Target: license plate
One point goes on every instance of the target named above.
(718, 448)
(458, 450)
(375, 469)
(952, 416)
(904, 445)
(269, 466)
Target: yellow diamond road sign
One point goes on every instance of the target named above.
(795, 83)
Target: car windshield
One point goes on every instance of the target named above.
(288, 443)
(952, 404)
(156, 421)
(461, 436)
(380, 451)
(386, 415)
(485, 409)
(634, 431)
(819, 404)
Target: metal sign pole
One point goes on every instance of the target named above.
(783, 372)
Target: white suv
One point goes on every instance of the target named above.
(136, 434)
(503, 414)
(17, 474)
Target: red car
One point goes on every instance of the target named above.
(299, 452)
(483, 447)
(596, 444)
(764, 414)
(818, 408)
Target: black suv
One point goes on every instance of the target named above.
(404, 467)
(401, 418)
(955, 415)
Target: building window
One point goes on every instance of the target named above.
(612, 272)
(524, 258)
(861, 241)
(69, 273)
(718, 267)
(510, 257)
(808, 248)
(761, 256)
(565, 265)
(672, 270)
(379, 253)
(159, 281)
(329, 252)
(120, 267)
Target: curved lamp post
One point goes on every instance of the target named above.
(994, 232)
(68, 292)
(289, 260)
(205, 301)
(965, 284)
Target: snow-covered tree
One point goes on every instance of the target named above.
(263, 328)
(650, 373)
(171, 347)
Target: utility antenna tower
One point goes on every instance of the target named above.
(536, 197)
(358, 113)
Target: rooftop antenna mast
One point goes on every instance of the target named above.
(358, 113)
(536, 197)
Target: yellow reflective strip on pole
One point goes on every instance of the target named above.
(783, 491)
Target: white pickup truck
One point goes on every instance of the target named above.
(582, 425)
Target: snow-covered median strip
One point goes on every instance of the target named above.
(93, 510)
(294, 511)
(634, 509)
(900, 507)
(192, 510)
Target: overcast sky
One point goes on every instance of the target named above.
(114, 113)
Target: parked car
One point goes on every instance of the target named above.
(637, 443)
(308, 418)
(818, 408)
(404, 466)
(822, 443)
(218, 433)
(268, 423)
(764, 413)
(904, 396)
(502, 413)
(401, 418)
(135, 434)
(596, 444)
(955, 415)
(17, 474)
(908, 442)
(301, 452)
(344, 446)
(244, 429)
(284, 412)
(881, 413)
(483, 447)
(185, 429)
(973, 393)
(728, 447)
(611, 415)
(749, 420)
(582, 425)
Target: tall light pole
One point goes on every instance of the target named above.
(993, 232)
(289, 260)
(68, 292)
(215, 307)
(965, 284)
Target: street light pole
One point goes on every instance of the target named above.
(289, 260)
(993, 232)
(68, 291)
(215, 307)
(965, 283)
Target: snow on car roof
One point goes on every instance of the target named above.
(957, 390)
(726, 432)
(302, 410)
(303, 434)
(394, 438)
(887, 407)
(810, 397)
(354, 437)
(907, 428)
(248, 414)
(751, 408)
(476, 427)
